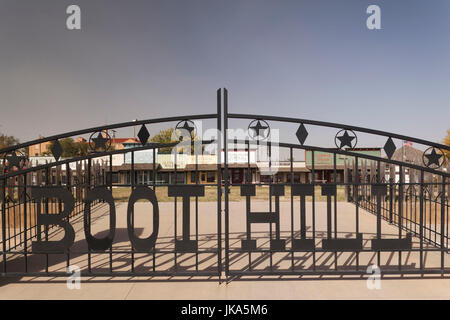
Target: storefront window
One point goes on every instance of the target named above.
(211, 177)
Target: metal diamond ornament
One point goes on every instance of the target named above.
(143, 135)
(56, 150)
(389, 148)
(301, 134)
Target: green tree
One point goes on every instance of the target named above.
(164, 136)
(6, 141)
(70, 148)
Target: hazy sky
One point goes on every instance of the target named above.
(143, 59)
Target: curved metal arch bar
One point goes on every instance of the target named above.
(107, 127)
(339, 126)
(353, 154)
(94, 155)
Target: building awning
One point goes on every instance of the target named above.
(137, 166)
(201, 167)
(213, 166)
(325, 167)
(294, 169)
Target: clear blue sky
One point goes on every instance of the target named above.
(308, 59)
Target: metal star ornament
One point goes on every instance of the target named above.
(433, 158)
(188, 125)
(346, 139)
(13, 160)
(260, 130)
(100, 141)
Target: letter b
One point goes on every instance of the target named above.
(47, 219)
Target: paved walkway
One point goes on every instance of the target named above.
(286, 287)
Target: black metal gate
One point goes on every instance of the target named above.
(69, 197)
(280, 217)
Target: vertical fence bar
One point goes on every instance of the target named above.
(219, 183)
(227, 228)
(25, 248)
(132, 215)
(47, 182)
(154, 189)
(69, 188)
(111, 188)
(335, 209)
(391, 191)
(400, 211)
(378, 200)
(291, 169)
(175, 212)
(313, 182)
(442, 223)
(270, 203)
(4, 224)
(421, 219)
(87, 188)
(196, 203)
(247, 211)
(356, 197)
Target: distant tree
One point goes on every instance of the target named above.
(83, 148)
(164, 136)
(70, 148)
(6, 141)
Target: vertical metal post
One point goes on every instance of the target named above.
(4, 224)
(313, 182)
(175, 211)
(356, 199)
(154, 189)
(421, 219)
(270, 204)
(400, 211)
(378, 177)
(291, 169)
(227, 188)
(247, 211)
(335, 209)
(391, 192)
(219, 183)
(47, 182)
(132, 215)
(196, 204)
(88, 187)
(25, 248)
(442, 224)
(111, 188)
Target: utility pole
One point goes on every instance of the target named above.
(134, 129)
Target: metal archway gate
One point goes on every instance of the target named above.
(261, 217)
